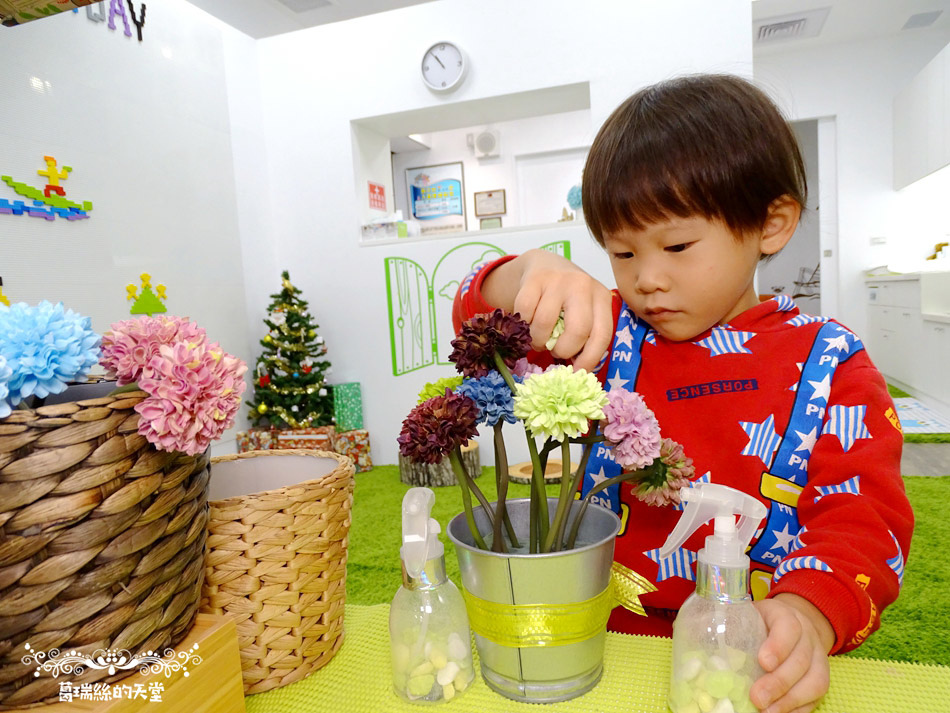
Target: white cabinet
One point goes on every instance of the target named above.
(909, 345)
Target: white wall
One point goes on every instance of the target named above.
(146, 129)
(314, 84)
(856, 84)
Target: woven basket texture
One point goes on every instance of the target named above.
(102, 540)
(276, 564)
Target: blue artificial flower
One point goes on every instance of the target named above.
(46, 346)
(574, 199)
(5, 373)
(492, 396)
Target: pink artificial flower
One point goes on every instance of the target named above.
(661, 484)
(632, 429)
(129, 348)
(525, 368)
(194, 392)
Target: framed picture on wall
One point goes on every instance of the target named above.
(487, 223)
(437, 197)
(490, 203)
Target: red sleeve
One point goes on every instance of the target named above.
(855, 516)
(469, 302)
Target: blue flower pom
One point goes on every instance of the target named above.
(574, 199)
(492, 396)
(5, 373)
(45, 347)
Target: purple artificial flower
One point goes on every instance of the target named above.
(661, 484)
(632, 429)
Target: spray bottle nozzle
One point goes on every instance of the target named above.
(730, 540)
(420, 531)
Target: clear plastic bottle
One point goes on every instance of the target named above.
(718, 631)
(428, 625)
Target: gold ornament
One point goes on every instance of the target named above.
(267, 338)
(311, 333)
(262, 408)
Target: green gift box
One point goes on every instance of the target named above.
(348, 406)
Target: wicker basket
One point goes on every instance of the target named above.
(277, 559)
(101, 539)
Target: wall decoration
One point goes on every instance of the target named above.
(117, 7)
(489, 223)
(16, 12)
(490, 203)
(3, 297)
(148, 302)
(47, 202)
(138, 22)
(420, 306)
(437, 197)
(377, 196)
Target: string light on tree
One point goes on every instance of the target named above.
(291, 371)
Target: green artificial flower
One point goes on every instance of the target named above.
(559, 403)
(437, 388)
(555, 333)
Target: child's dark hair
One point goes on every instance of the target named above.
(708, 145)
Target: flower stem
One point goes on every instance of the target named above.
(579, 476)
(533, 522)
(501, 491)
(505, 372)
(462, 478)
(563, 501)
(537, 484)
(632, 475)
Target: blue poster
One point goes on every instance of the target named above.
(437, 197)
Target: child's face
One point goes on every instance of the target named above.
(685, 275)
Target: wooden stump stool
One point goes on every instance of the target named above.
(521, 472)
(433, 475)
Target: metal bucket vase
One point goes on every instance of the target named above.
(547, 590)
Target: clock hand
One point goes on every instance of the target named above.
(436, 57)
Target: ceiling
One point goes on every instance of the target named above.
(848, 20)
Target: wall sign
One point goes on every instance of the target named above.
(437, 197)
(377, 196)
(147, 302)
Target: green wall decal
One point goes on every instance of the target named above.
(420, 306)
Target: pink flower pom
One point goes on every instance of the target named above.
(632, 428)
(128, 349)
(194, 392)
(525, 368)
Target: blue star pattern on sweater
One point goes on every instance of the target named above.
(852, 486)
(896, 563)
(678, 564)
(800, 320)
(847, 424)
(785, 303)
(725, 340)
(763, 440)
(796, 563)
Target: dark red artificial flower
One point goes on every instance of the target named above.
(436, 426)
(484, 335)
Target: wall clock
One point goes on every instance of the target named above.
(443, 67)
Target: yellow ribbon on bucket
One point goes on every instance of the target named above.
(534, 625)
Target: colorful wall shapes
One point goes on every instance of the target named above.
(3, 297)
(37, 210)
(54, 176)
(147, 302)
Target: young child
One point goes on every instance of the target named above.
(687, 186)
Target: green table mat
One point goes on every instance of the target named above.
(636, 679)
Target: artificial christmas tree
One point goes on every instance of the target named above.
(290, 380)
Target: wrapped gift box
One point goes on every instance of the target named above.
(354, 444)
(348, 406)
(319, 438)
(256, 439)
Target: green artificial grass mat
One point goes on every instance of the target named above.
(914, 628)
(897, 393)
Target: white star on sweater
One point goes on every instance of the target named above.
(822, 389)
(782, 539)
(616, 382)
(599, 476)
(839, 343)
(625, 337)
(808, 439)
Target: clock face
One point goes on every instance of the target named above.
(443, 66)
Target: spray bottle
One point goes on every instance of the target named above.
(428, 625)
(718, 631)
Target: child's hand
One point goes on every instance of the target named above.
(540, 285)
(794, 655)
